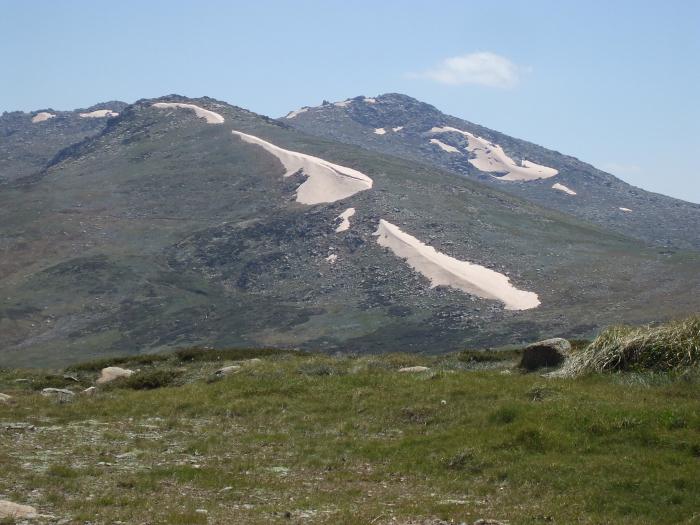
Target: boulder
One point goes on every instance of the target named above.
(59, 394)
(413, 369)
(550, 352)
(9, 509)
(4, 398)
(111, 373)
(227, 370)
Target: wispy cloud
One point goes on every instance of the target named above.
(483, 68)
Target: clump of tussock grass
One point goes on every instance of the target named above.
(668, 347)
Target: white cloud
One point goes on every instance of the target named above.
(483, 68)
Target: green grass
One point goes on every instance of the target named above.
(318, 439)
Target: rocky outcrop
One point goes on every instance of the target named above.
(59, 394)
(227, 370)
(9, 510)
(547, 353)
(113, 372)
(413, 369)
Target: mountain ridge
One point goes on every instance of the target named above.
(163, 231)
(601, 198)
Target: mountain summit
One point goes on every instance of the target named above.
(402, 126)
(176, 222)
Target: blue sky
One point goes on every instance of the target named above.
(616, 84)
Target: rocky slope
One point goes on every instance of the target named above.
(405, 127)
(176, 225)
(29, 141)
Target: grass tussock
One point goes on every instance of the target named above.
(668, 347)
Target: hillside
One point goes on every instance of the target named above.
(402, 126)
(29, 141)
(191, 221)
(289, 438)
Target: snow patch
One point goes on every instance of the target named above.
(627, 210)
(209, 116)
(345, 217)
(444, 147)
(491, 158)
(397, 128)
(332, 258)
(342, 103)
(100, 113)
(42, 116)
(444, 270)
(563, 188)
(299, 111)
(379, 131)
(326, 182)
(369, 100)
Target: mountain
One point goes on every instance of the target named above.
(183, 222)
(402, 126)
(28, 141)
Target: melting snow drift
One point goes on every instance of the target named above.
(397, 128)
(209, 116)
(444, 147)
(326, 182)
(379, 131)
(442, 269)
(563, 188)
(492, 159)
(100, 113)
(625, 209)
(296, 112)
(345, 216)
(42, 116)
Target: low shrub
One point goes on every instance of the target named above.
(487, 356)
(125, 361)
(149, 379)
(198, 354)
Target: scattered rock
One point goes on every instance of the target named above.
(4, 398)
(9, 509)
(89, 391)
(227, 370)
(413, 369)
(59, 394)
(550, 352)
(113, 372)
(488, 522)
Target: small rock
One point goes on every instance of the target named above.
(201, 511)
(9, 509)
(113, 372)
(488, 522)
(227, 370)
(59, 394)
(4, 398)
(254, 361)
(413, 369)
(89, 391)
(550, 352)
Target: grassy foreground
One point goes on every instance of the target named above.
(313, 439)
